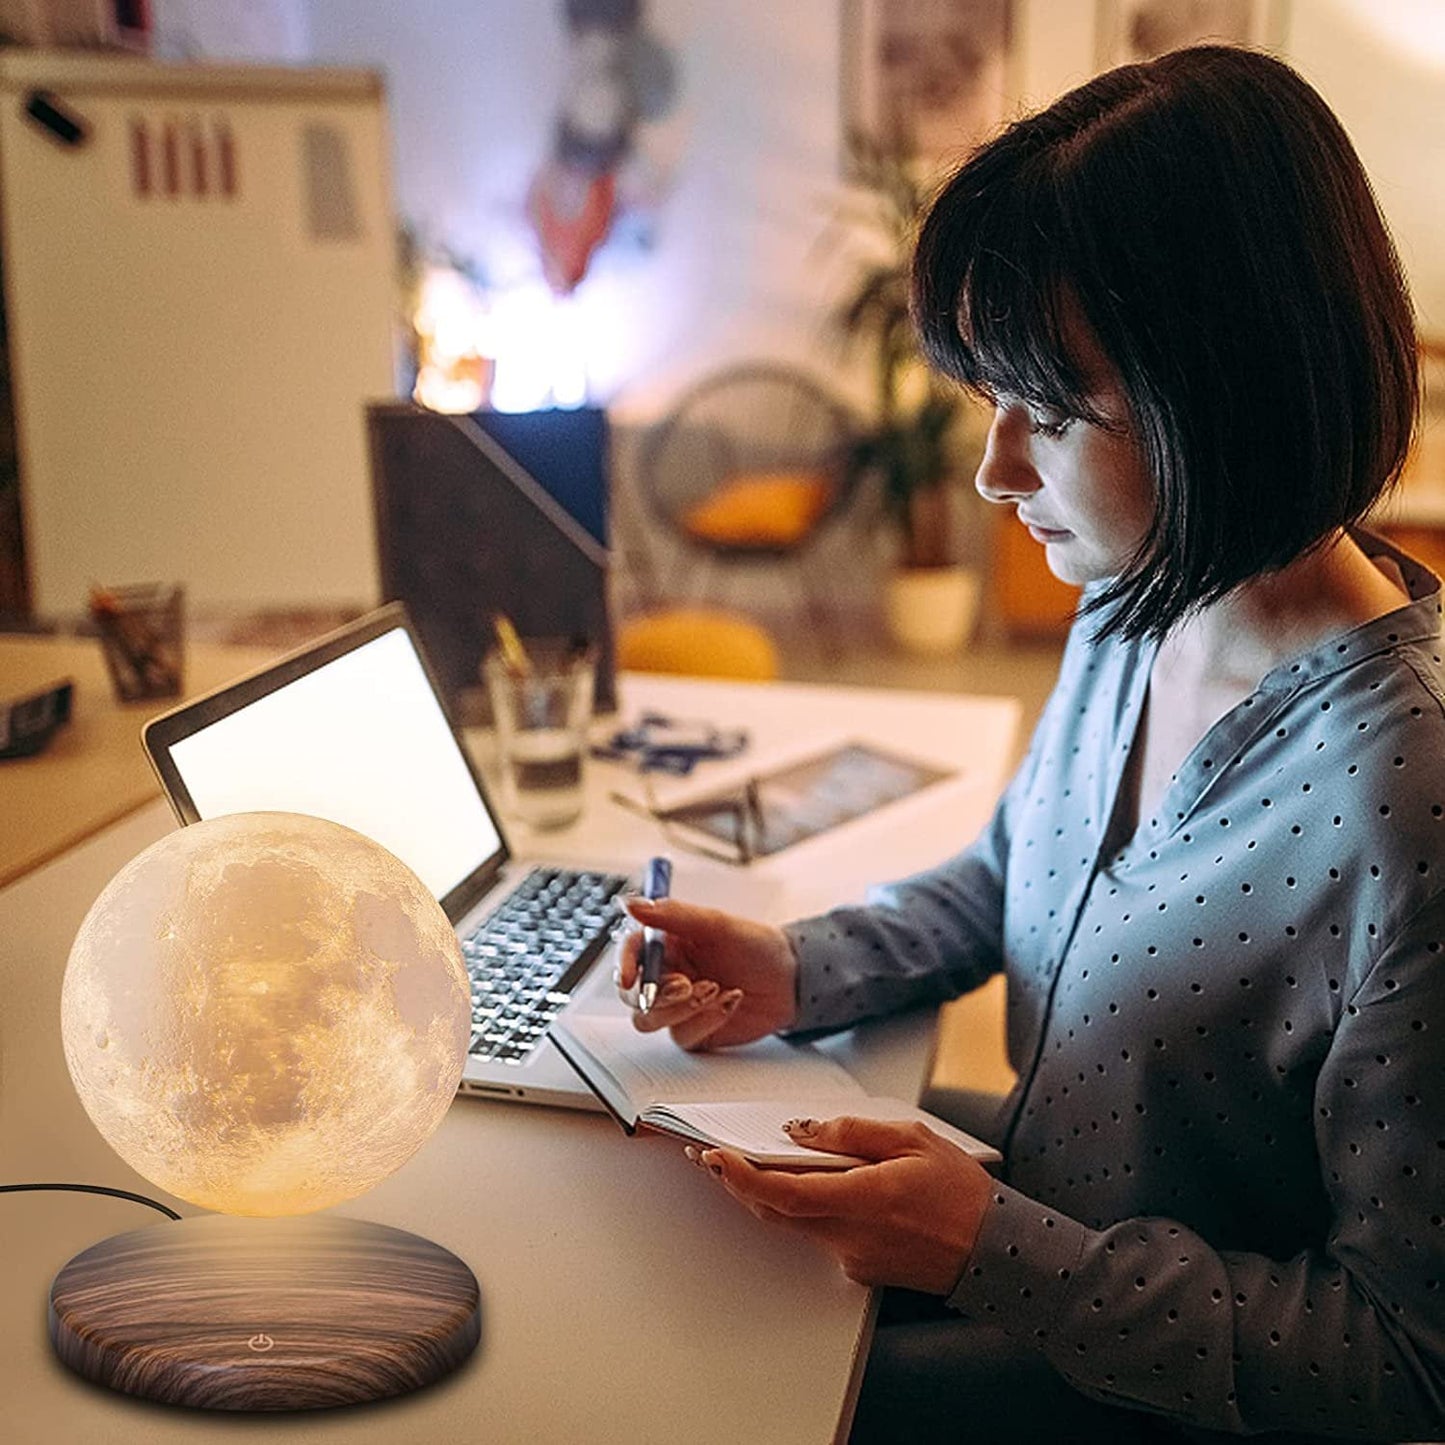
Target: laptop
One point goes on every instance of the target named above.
(352, 728)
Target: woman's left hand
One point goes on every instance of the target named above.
(909, 1217)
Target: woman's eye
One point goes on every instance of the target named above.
(1045, 422)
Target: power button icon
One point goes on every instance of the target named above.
(260, 1343)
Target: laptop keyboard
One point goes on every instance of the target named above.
(524, 957)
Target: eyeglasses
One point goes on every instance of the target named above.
(732, 826)
(773, 810)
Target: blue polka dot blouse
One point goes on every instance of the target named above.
(1223, 1196)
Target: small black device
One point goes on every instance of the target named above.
(28, 722)
(54, 117)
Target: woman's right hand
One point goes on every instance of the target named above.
(725, 980)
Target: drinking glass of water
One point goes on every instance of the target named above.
(541, 706)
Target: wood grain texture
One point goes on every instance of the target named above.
(303, 1313)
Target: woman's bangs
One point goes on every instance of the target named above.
(1012, 311)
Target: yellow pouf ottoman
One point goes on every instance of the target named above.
(698, 641)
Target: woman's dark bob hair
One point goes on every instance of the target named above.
(1208, 218)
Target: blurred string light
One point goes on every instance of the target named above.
(456, 351)
(519, 349)
(541, 349)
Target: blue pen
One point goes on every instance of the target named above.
(656, 883)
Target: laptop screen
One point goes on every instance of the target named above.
(361, 740)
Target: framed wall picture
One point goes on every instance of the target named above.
(1130, 30)
(925, 80)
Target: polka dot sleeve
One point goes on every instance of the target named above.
(927, 938)
(1347, 1339)
(921, 941)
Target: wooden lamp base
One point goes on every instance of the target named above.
(226, 1313)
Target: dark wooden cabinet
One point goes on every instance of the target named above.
(14, 583)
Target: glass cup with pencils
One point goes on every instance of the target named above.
(141, 634)
(541, 697)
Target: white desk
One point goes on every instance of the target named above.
(625, 1298)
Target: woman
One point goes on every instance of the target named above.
(1215, 883)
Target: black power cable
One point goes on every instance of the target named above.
(94, 1189)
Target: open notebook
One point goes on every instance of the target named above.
(729, 1098)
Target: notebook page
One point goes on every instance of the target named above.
(755, 1127)
(651, 1068)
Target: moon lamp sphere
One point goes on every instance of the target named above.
(265, 1013)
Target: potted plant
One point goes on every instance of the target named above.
(924, 439)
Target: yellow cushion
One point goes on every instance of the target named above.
(699, 641)
(760, 509)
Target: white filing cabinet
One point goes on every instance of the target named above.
(198, 302)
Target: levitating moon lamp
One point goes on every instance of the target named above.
(265, 1014)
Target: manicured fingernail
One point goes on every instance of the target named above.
(704, 993)
(801, 1126)
(712, 1162)
(693, 1157)
(674, 991)
(730, 1001)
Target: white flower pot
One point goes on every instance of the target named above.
(931, 610)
